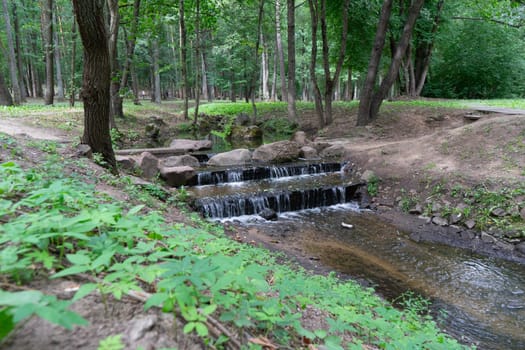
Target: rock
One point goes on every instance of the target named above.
(190, 145)
(485, 237)
(154, 127)
(242, 119)
(83, 150)
(236, 157)
(308, 152)
(184, 160)
(319, 145)
(508, 247)
(470, 224)
(368, 175)
(334, 151)
(268, 214)
(427, 219)
(520, 247)
(277, 152)
(455, 218)
(467, 235)
(240, 135)
(438, 220)
(472, 116)
(177, 176)
(436, 207)
(417, 210)
(149, 164)
(300, 138)
(522, 214)
(498, 212)
(126, 162)
(139, 327)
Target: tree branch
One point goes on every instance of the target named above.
(497, 21)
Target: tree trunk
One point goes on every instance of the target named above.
(72, 88)
(15, 85)
(273, 93)
(313, 63)
(115, 109)
(156, 71)
(18, 53)
(5, 96)
(292, 110)
(401, 49)
(197, 57)
(265, 74)
(58, 62)
(183, 58)
(255, 70)
(280, 53)
(47, 39)
(96, 78)
(363, 116)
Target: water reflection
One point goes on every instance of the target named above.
(484, 298)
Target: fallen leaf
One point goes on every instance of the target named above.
(264, 342)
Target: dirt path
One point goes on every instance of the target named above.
(17, 127)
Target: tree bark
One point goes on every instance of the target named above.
(15, 85)
(96, 78)
(292, 110)
(5, 96)
(280, 53)
(18, 52)
(265, 74)
(115, 110)
(255, 70)
(156, 71)
(183, 58)
(314, 17)
(58, 62)
(47, 38)
(401, 49)
(72, 87)
(197, 59)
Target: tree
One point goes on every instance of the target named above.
(280, 53)
(47, 37)
(116, 104)
(5, 96)
(318, 15)
(292, 112)
(96, 78)
(11, 56)
(371, 100)
(183, 57)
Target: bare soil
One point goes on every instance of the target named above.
(410, 149)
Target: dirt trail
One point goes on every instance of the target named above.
(17, 127)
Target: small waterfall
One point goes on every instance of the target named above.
(261, 172)
(237, 205)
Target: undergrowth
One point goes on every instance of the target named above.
(56, 227)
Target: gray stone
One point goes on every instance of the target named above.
(438, 220)
(320, 145)
(520, 247)
(498, 212)
(236, 157)
(184, 160)
(190, 145)
(508, 247)
(246, 134)
(436, 207)
(139, 327)
(470, 224)
(268, 214)
(467, 235)
(83, 150)
(427, 219)
(368, 175)
(485, 237)
(177, 176)
(149, 164)
(277, 152)
(455, 218)
(417, 210)
(300, 138)
(308, 152)
(126, 162)
(242, 119)
(334, 151)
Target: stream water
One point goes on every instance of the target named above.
(477, 300)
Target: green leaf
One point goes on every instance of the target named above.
(156, 300)
(189, 327)
(102, 260)
(78, 259)
(84, 290)
(73, 270)
(6, 322)
(135, 210)
(208, 310)
(113, 342)
(20, 298)
(201, 329)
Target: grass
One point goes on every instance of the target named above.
(58, 226)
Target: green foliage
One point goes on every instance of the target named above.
(113, 342)
(373, 185)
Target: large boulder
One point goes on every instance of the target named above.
(236, 157)
(149, 164)
(334, 151)
(300, 138)
(184, 160)
(177, 176)
(308, 152)
(277, 152)
(190, 145)
(126, 162)
(246, 135)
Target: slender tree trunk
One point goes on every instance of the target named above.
(183, 58)
(197, 57)
(156, 70)
(96, 80)
(134, 84)
(363, 116)
(18, 52)
(401, 48)
(273, 94)
(280, 53)
(265, 73)
(115, 110)
(15, 85)
(292, 110)
(5, 96)
(47, 38)
(314, 16)
(255, 70)
(58, 63)
(72, 87)
(131, 40)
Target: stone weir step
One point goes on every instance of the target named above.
(215, 177)
(283, 201)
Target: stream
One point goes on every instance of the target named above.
(475, 299)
